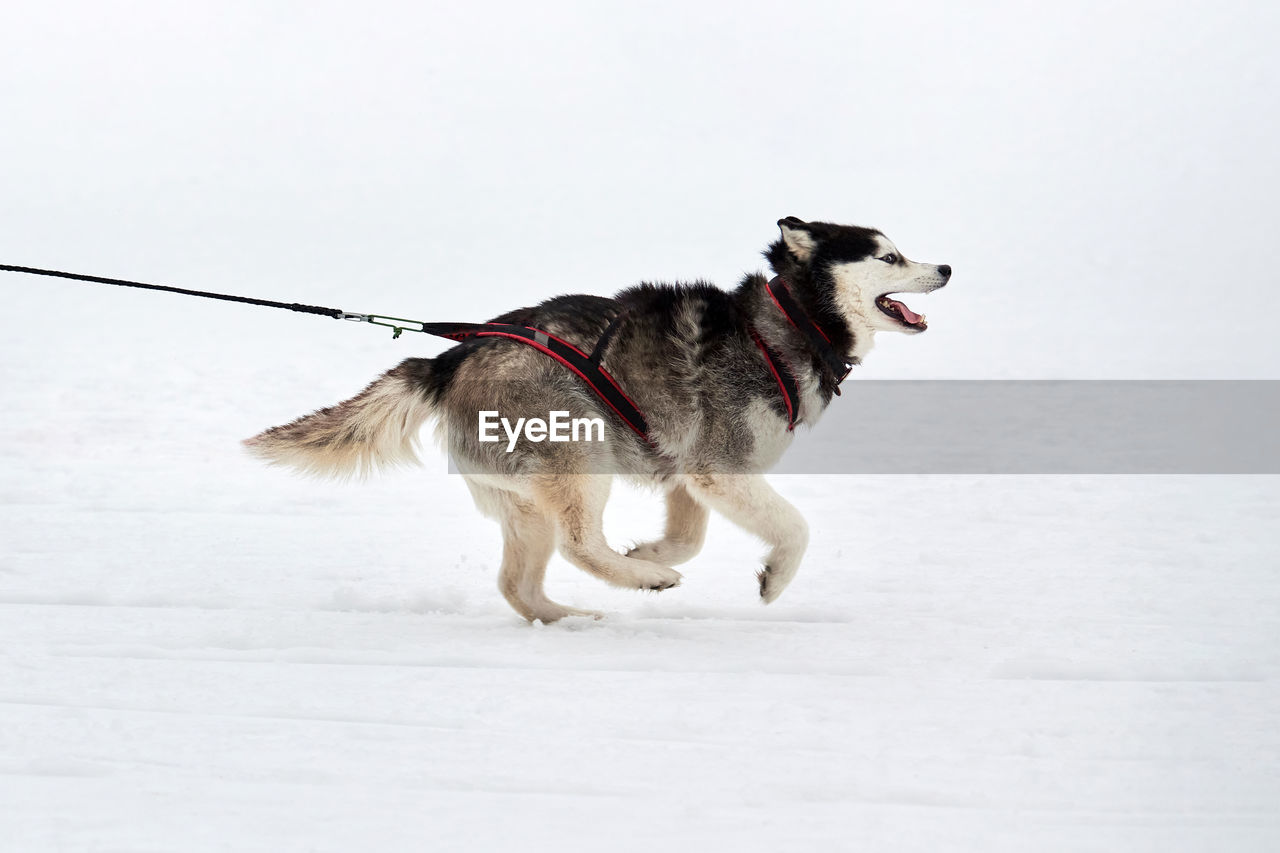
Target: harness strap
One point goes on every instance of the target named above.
(786, 382)
(597, 354)
(811, 331)
(585, 366)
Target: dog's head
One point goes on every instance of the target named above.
(853, 273)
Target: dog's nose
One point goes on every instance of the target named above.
(944, 270)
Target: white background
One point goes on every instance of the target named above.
(196, 653)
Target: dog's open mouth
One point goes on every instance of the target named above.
(901, 313)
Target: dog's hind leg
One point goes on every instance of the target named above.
(751, 503)
(686, 530)
(528, 540)
(576, 503)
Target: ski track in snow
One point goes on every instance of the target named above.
(200, 653)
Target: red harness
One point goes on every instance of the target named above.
(588, 369)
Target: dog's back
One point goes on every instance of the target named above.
(681, 352)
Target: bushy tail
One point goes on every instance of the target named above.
(376, 428)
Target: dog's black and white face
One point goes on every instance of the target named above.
(864, 270)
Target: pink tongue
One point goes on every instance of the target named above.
(907, 314)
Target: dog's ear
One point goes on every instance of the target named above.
(798, 237)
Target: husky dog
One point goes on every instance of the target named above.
(703, 366)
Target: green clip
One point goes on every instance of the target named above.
(394, 326)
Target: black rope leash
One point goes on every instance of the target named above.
(397, 324)
(587, 367)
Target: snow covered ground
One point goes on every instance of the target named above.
(198, 653)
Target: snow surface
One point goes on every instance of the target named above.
(198, 653)
(201, 653)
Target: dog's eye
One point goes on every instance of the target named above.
(889, 259)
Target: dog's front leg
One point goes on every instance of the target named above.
(750, 502)
(685, 531)
(576, 504)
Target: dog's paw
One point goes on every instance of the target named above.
(651, 551)
(657, 578)
(771, 584)
(780, 566)
(663, 552)
(552, 612)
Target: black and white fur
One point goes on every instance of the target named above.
(685, 354)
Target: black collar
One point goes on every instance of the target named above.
(836, 365)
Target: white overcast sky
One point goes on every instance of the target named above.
(1102, 176)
